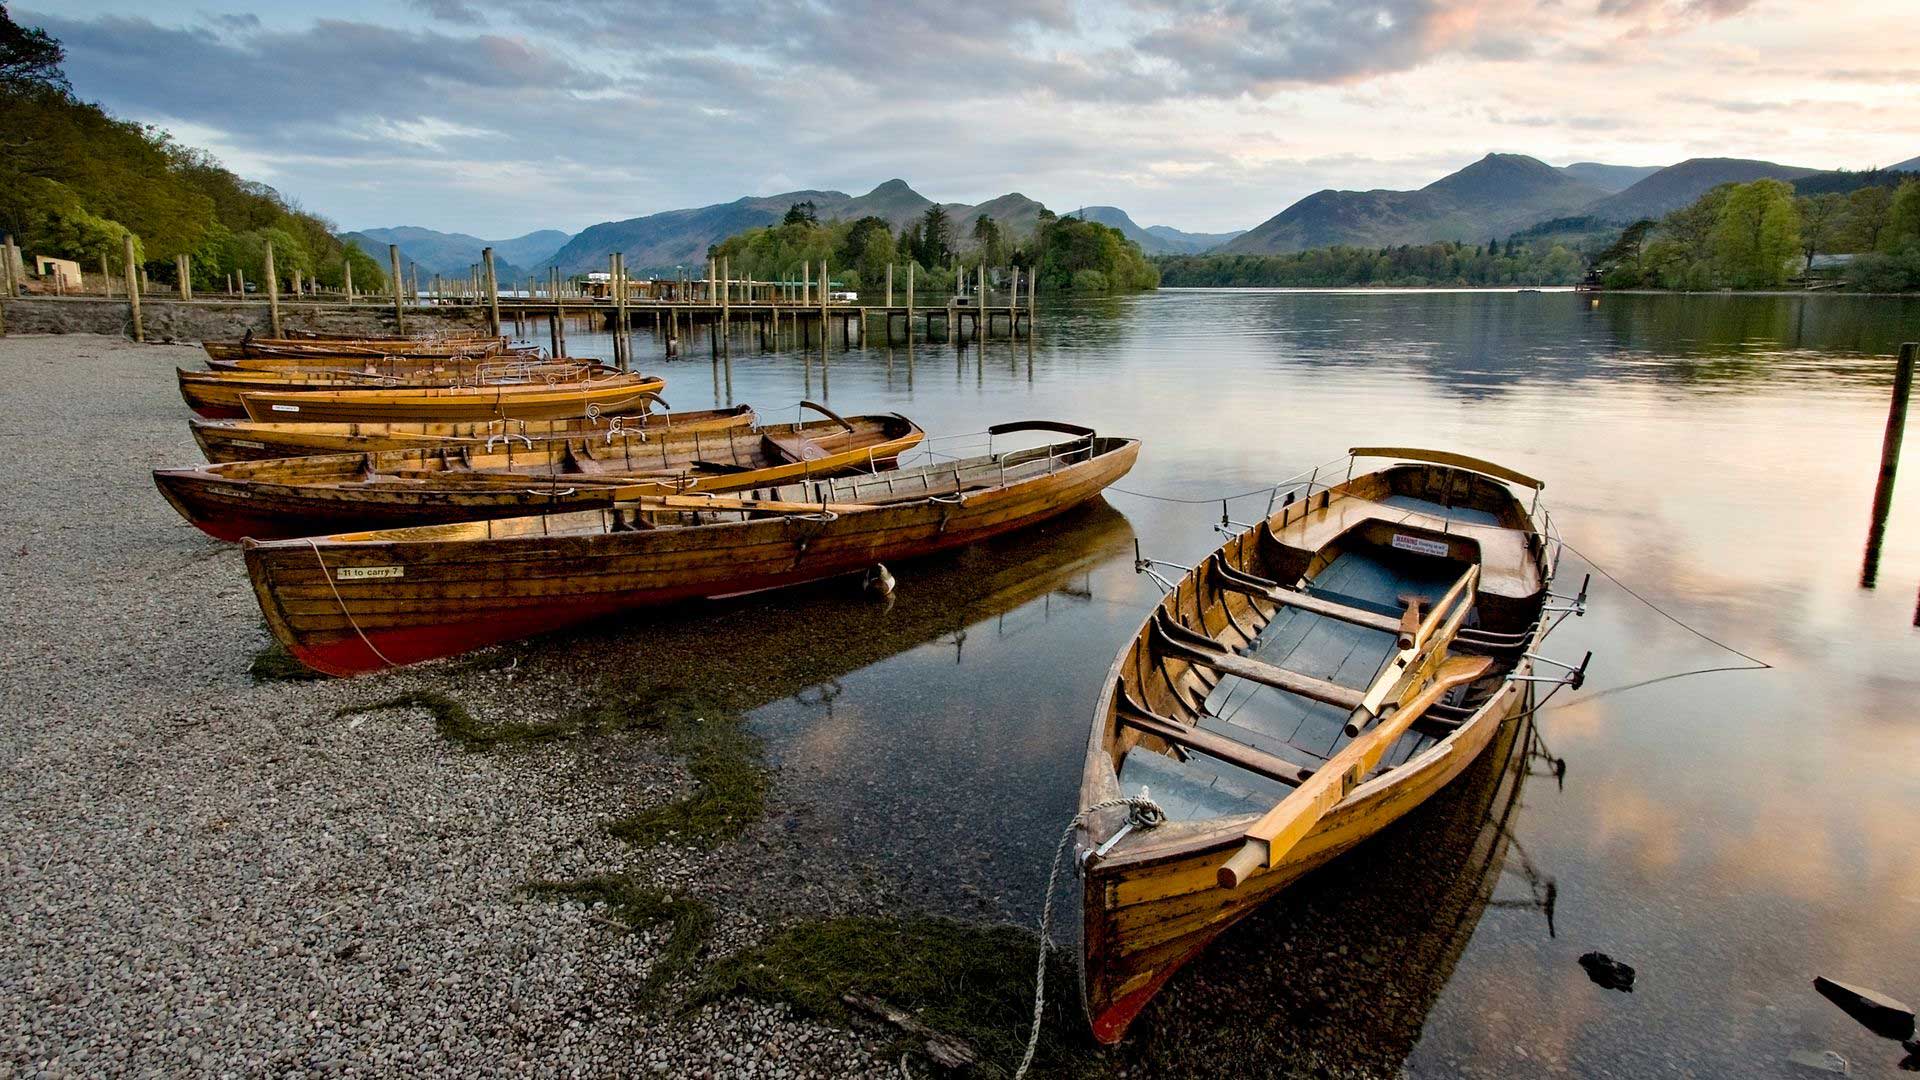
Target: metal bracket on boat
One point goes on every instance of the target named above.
(1576, 605)
(1575, 674)
(507, 437)
(1144, 565)
(1227, 524)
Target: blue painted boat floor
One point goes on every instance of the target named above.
(1288, 725)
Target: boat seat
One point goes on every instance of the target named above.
(794, 447)
(1213, 744)
(1507, 566)
(1463, 514)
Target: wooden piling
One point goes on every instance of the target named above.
(1889, 460)
(399, 300)
(493, 291)
(981, 328)
(889, 297)
(273, 293)
(106, 274)
(806, 296)
(133, 290)
(347, 266)
(911, 266)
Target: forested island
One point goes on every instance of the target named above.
(1062, 254)
(75, 182)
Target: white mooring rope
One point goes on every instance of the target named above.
(1142, 813)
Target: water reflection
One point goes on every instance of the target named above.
(1728, 834)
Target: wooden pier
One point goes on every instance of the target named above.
(672, 308)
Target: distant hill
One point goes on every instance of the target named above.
(1154, 239)
(1609, 178)
(1909, 165)
(680, 238)
(451, 254)
(1491, 197)
(1680, 185)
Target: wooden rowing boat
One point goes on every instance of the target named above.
(254, 348)
(358, 602)
(248, 440)
(378, 363)
(511, 476)
(218, 394)
(450, 404)
(1306, 684)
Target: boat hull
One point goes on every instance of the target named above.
(321, 494)
(437, 405)
(350, 606)
(249, 441)
(1142, 920)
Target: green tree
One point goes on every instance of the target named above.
(1823, 218)
(933, 245)
(1756, 234)
(30, 59)
(988, 241)
(1903, 219)
(1868, 209)
(801, 213)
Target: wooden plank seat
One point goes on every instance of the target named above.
(1271, 766)
(1175, 640)
(1226, 577)
(1507, 563)
(794, 447)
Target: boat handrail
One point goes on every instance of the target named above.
(1448, 457)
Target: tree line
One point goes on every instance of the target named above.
(75, 182)
(1061, 255)
(1442, 264)
(1761, 235)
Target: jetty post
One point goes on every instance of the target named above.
(347, 266)
(399, 301)
(273, 293)
(133, 287)
(1889, 463)
(183, 275)
(493, 291)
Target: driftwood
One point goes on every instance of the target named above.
(945, 1050)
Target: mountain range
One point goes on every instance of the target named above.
(1504, 193)
(452, 254)
(1155, 239)
(1497, 196)
(680, 238)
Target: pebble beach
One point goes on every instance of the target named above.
(206, 874)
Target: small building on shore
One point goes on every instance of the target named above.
(62, 274)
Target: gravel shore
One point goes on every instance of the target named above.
(205, 875)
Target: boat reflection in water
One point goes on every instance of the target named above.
(1337, 975)
(797, 642)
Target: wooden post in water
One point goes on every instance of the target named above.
(980, 328)
(806, 288)
(559, 316)
(133, 289)
(399, 302)
(911, 266)
(240, 279)
(726, 296)
(493, 291)
(1013, 304)
(347, 266)
(826, 296)
(180, 281)
(889, 291)
(106, 276)
(273, 293)
(1889, 462)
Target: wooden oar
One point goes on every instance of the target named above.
(1418, 676)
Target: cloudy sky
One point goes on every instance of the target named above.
(495, 117)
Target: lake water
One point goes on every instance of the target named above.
(1730, 835)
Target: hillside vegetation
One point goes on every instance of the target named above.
(75, 181)
(1062, 254)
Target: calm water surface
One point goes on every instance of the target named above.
(1730, 835)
